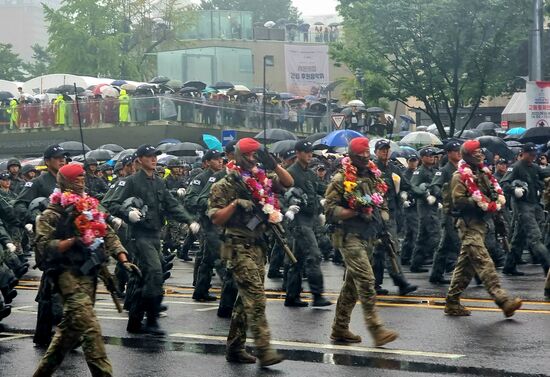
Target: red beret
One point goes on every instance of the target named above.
(71, 171)
(471, 145)
(359, 145)
(248, 145)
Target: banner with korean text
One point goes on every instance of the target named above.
(306, 68)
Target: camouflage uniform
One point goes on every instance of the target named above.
(79, 323)
(474, 257)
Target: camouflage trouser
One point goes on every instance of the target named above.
(248, 266)
(173, 232)
(79, 323)
(358, 283)
(474, 258)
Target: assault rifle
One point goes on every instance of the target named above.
(501, 231)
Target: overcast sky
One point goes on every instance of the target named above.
(316, 7)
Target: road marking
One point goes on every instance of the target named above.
(6, 336)
(338, 347)
(206, 309)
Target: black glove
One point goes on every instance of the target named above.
(266, 159)
(132, 268)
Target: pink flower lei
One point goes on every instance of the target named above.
(260, 187)
(482, 201)
(354, 197)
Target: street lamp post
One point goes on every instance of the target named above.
(268, 62)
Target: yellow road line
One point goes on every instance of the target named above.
(12, 336)
(338, 347)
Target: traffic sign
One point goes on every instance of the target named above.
(228, 136)
(337, 120)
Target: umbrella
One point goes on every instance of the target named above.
(222, 85)
(97, 89)
(238, 90)
(69, 89)
(537, 135)
(514, 145)
(486, 126)
(516, 131)
(310, 98)
(318, 107)
(195, 84)
(347, 110)
(421, 138)
(100, 154)
(334, 24)
(303, 27)
(296, 101)
(112, 147)
(118, 83)
(188, 89)
(269, 24)
(469, 134)
(185, 149)
(275, 134)
(339, 138)
(170, 140)
(319, 23)
(282, 146)
(496, 145)
(174, 84)
(209, 90)
(4, 95)
(407, 118)
(394, 147)
(286, 96)
(159, 80)
(163, 159)
(375, 110)
(404, 133)
(281, 21)
(128, 87)
(124, 153)
(165, 146)
(109, 91)
(212, 142)
(74, 147)
(146, 89)
(316, 136)
(356, 102)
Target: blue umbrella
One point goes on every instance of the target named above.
(118, 83)
(516, 131)
(212, 142)
(339, 138)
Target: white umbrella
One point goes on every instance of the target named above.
(238, 90)
(269, 24)
(356, 102)
(421, 138)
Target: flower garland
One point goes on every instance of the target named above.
(90, 221)
(260, 186)
(486, 204)
(355, 198)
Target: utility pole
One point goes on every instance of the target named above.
(535, 42)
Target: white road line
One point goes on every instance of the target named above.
(440, 355)
(207, 309)
(11, 336)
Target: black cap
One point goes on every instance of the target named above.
(452, 146)
(304, 146)
(127, 160)
(502, 161)
(289, 154)
(55, 151)
(230, 147)
(211, 154)
(529, 147)
(4, 176)
(147, 150)
(412, 156)
(427, 151)
(382, 143)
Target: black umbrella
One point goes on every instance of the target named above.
(347, 110)
(188, 89)
(112, 147)
(160, 80)
(165, 146)
(316, 136)
(119, 156)
(375, 110)
(195, 84)
(275, 134)
(469, 134)
(4, 95)
(69, 89)
(303, 27)
(100, 154)
(74, 147)
(185, 149)
(222, 85)
(496, 146)
(537, 135)
(407, 118)
(486, 126)
(318, 107)
(280, 147)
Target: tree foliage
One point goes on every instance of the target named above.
(113, 38)
(263, 10)
(10, 64)
(40, 63)
(449, 54)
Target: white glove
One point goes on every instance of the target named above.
(519, 192)
(289, 215)
(439, 205)
(11, 247)
(322, 219)
(404, 196)
(116, 222)
(195, 227)
(181, 192)
(406, 204)
(135, 216)
(431, 200)
(294, 209)
(29, 228)
(323, 202)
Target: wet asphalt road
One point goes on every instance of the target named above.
(430, 344)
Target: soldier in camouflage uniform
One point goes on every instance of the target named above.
(58, 246)
(472, 226)
(353, 233)
(244, 249)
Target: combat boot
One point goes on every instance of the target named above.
(455, 309)
(319, 301)
(547, 292)
(269, 357)
(344, 336)
(239, 356)
(510, 306)
(295, 302)
(382, 335)
(5, 310)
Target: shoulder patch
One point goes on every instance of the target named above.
(438, 173)
(510, 169)
(28, 184)
(122, 183)
(196, 182)
(212, 179)
(416, 172)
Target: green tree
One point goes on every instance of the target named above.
(10, 64)
(449, 54)
(263, 10)
(40, 63)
